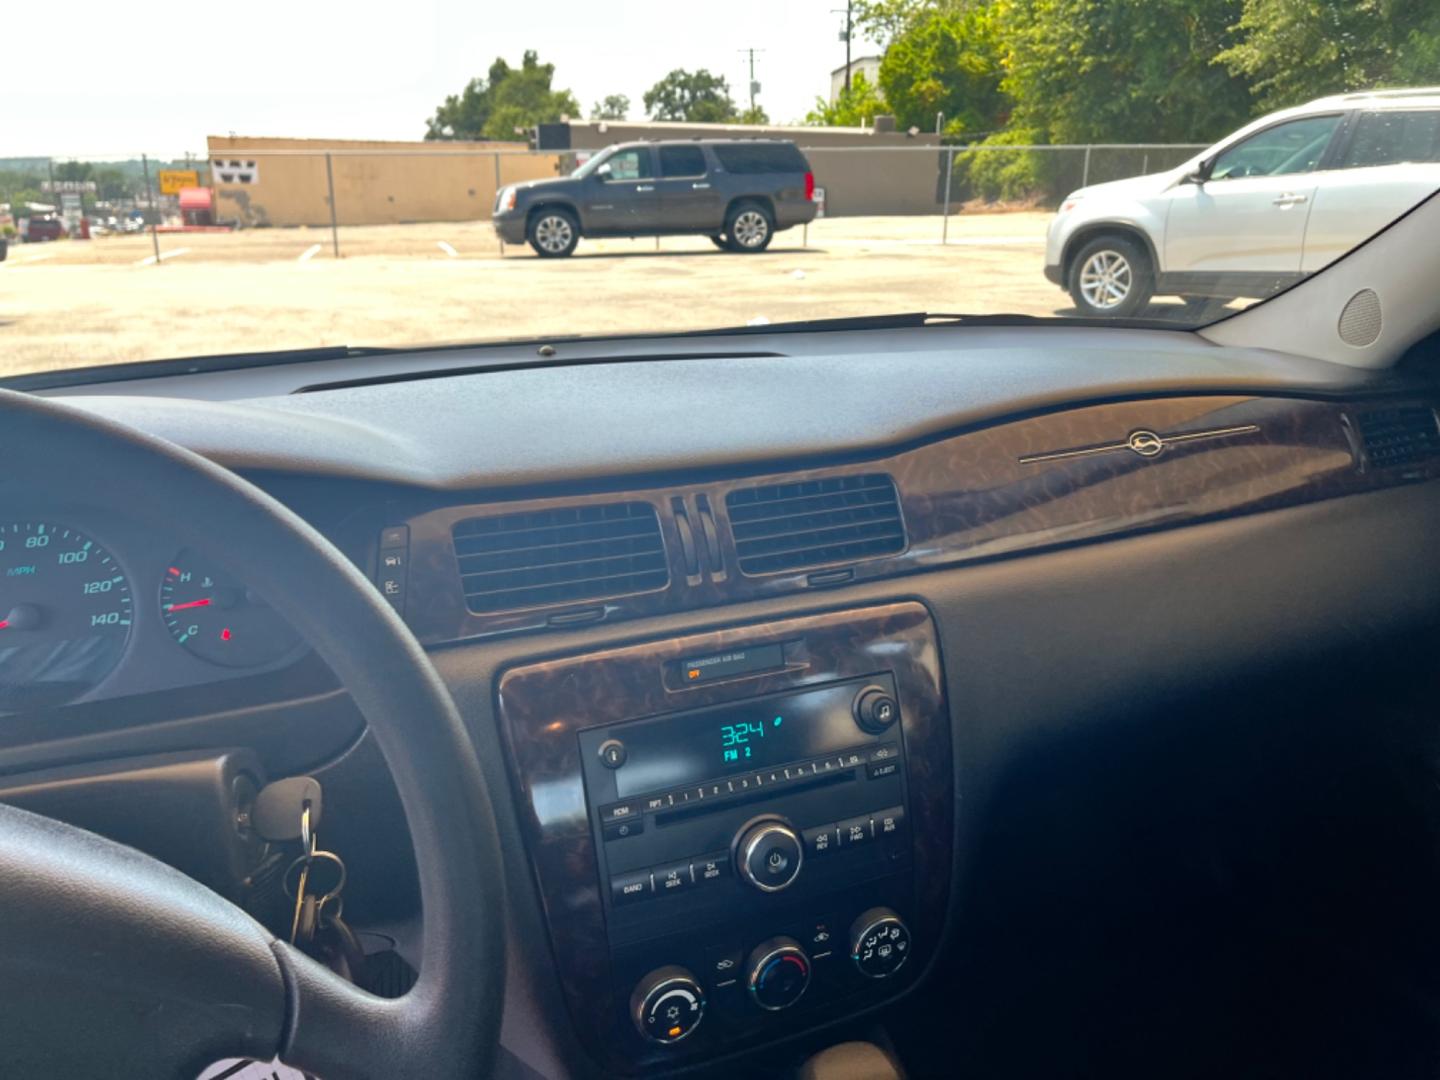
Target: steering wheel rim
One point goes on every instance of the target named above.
(93, 895)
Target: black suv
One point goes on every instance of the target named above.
(738, 192)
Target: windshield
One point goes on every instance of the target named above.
(1130, 162)
(592, 163)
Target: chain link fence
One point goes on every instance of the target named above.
(438, 192)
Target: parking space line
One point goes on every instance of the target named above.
(445, 247)
(309, 253)
(149, 260)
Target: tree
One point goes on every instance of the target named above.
(1120, 71)
(1295, 50)
(507, 99)
(883, 21)
(614, 107)
(699, 97)
(755, 114)
(855, 107)
(946, 58)
(111, 183)
(73, 170)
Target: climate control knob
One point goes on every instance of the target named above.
(667, 1005)
(879, 943)
(779, 972)
(768, 855)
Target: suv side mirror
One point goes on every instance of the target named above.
(603, 171)
(1200, 173)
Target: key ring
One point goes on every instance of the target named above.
(307, 837)
(307, 861)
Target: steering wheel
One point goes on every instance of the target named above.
(111, 960)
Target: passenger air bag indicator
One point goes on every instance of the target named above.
(729, 664)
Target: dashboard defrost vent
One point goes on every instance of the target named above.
(546, 557)
(810, 523)
(1399, 436)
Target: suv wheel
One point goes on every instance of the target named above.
(1111, 276)
(749, 228)
(554, 233)
(720, 241)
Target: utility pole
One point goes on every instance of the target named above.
(845, 36)
(754, 86)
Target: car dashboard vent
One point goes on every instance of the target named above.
(783, 527)
(1400, 436)
(565, 555)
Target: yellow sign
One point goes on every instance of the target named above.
(172, 180)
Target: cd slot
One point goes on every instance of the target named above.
(698, 809)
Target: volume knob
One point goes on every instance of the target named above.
(768, 855)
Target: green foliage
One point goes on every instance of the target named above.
(73, 170)
(1120, 70)
(1006, 175)
(507, 99)
(698, 96)
(855, 107)
(755, 115)
(111, 183)
(1291, 51)
(885, 20)
(614, 107)
(946, 59)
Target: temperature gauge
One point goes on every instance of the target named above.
(219, 619)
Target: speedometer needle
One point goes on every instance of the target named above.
(192, 603)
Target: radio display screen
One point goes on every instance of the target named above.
(673, 751)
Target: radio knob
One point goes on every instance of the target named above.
(667, 1005)
(768, 855)
(875, 710)
(779, 973)
(879, 943)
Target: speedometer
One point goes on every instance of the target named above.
(65, 611)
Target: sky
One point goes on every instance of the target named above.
(365, 70)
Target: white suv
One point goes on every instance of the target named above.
(1275, 201)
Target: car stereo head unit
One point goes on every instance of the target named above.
(740, 835)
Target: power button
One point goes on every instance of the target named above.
(612, 753)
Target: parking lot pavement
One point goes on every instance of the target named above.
(90, 303)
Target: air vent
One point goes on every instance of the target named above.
(560, 556)
(815, 523)
(1402, 436)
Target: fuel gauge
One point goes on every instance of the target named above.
(220, 619)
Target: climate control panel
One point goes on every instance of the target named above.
(774, 975)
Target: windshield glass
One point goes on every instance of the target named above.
(593, 163)
(433, 175)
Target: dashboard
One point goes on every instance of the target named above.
(99, 607)
(739, 671)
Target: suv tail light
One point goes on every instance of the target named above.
(809, 187)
